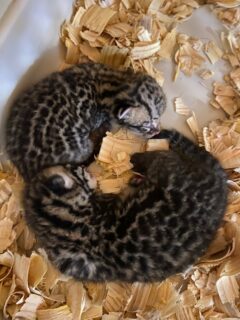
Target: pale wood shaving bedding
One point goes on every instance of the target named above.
(188, 56)
(112, 168)
(194, 127)
(213, 52)
(227, 11)
(206, 74)
(181, 108)
(140, 28)
(30, 287)
(227, 95)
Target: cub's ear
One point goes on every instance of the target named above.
(57, 180)
(125, 113)
(56, 184)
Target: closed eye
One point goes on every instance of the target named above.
(158, 100)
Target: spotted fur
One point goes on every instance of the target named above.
(52, 122)
(161, 230)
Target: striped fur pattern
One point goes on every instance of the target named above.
(161, 230)
(52, 122)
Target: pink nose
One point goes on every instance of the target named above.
(154, 131)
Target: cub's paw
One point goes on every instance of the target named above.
(136, 181)
(140, 162)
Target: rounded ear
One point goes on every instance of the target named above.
(56, 184)
(124, 113)
(57, 180)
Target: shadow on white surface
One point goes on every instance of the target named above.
(48, 62)
(195, 92)
(31, 42)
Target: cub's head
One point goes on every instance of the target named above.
(140, 105)
(70, 184)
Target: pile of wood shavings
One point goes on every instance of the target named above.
(130, 34)
(139, 34)
(112, 167)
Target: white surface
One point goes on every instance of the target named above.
(194, 91)
(30, 51)
(4, 5)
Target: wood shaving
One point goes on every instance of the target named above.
(114, 185)
(226, 97)
(168, 44)
(72, 52)
(93, 53)
(148, 66)
(180, 10)
(7, 234)
(5, 191)
(60, 313)
(118, 30)
(124, 35)
(157, 144)
(114, 56)
(188, 59)
(234, 61)
(127, 32)
(220, 89)
(113, 144)
(228, 289)
(235, 76)
(181, 108)
(222, 140)
(213, 52)
(30, 306)
(142, 50)
(143, 34)
(112, 168)
(206, 74)
(230, 41)
(214, 104)
(225, 3)
(194, 126)
(96, 13)
(229, 17)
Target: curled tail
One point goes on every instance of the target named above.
(178, 141)
(185, 147)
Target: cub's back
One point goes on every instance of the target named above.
(45, 121)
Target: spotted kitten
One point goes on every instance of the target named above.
(161, 230)
(52, 122)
